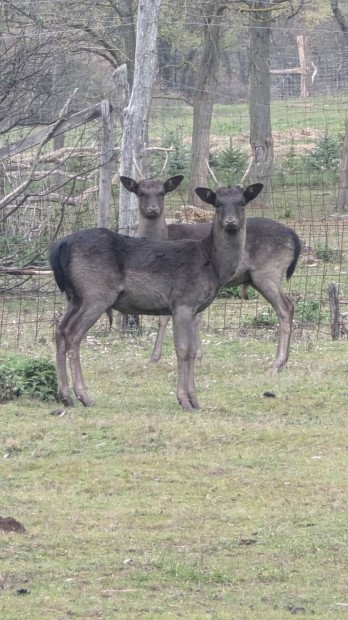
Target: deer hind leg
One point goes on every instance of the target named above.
(285, 313)
(62, 375)
(284, 309)
(199, 352)
(157, 350)
(185, 346)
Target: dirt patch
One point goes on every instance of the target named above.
(303, 140)
(9, 524)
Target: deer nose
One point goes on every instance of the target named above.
(153, 211)
(231, 223)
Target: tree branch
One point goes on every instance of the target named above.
(21, 188)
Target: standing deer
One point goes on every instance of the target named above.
(100, 270)
(271, 251)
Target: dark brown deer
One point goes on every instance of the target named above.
(100, 270)
(271, 252)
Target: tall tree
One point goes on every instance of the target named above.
(261, 140)
(135, 127)
(261, 14)
(203, 97)
(342, 195)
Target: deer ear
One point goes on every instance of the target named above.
(130, 184)
(172, 183)
(206, 194)
(252, 191)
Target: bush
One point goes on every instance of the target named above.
(292, 162)
(35, 378)
(231, 160)
(326, 154)
(265, 318)
(309, 311)
(234, 292)
(327, 254)
(178, 159)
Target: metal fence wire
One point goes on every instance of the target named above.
(308, 141)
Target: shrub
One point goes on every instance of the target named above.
(232, 160)
(292, 163)
(32, 377)
(326, 154)
(265, 318)
(178, 159)
(327, 254)
(234, 292)
(308, 311)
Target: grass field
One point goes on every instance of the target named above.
(135, 509)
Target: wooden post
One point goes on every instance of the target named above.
(333, 291)
(305, 68)
(106, 152)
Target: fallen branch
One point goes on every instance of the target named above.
(25, 271)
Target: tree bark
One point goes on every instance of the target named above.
(261, 140)
(203, 99)
(342, 195)
(106, 156)
(125, 10)
(134, 139)
(341, 19)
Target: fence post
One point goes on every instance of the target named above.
(333, 291)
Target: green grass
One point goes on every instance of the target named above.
(135, 509)
(319, 113)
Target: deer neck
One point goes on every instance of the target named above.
(153, 229)
(227, 250)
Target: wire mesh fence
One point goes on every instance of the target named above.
(308, 141)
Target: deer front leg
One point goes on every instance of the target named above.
(184, 325)
(157, 350)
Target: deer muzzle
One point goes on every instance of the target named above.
(231, 224)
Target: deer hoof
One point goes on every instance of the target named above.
(187, 405)
(66, 400)
(87, 402)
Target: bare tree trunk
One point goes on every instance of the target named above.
(121, 98)
(339, 15)
(343, 185)
(58, 176)
(106, 152)
(125, 9)
(203, 99)
(134, 138)
(261, 140)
